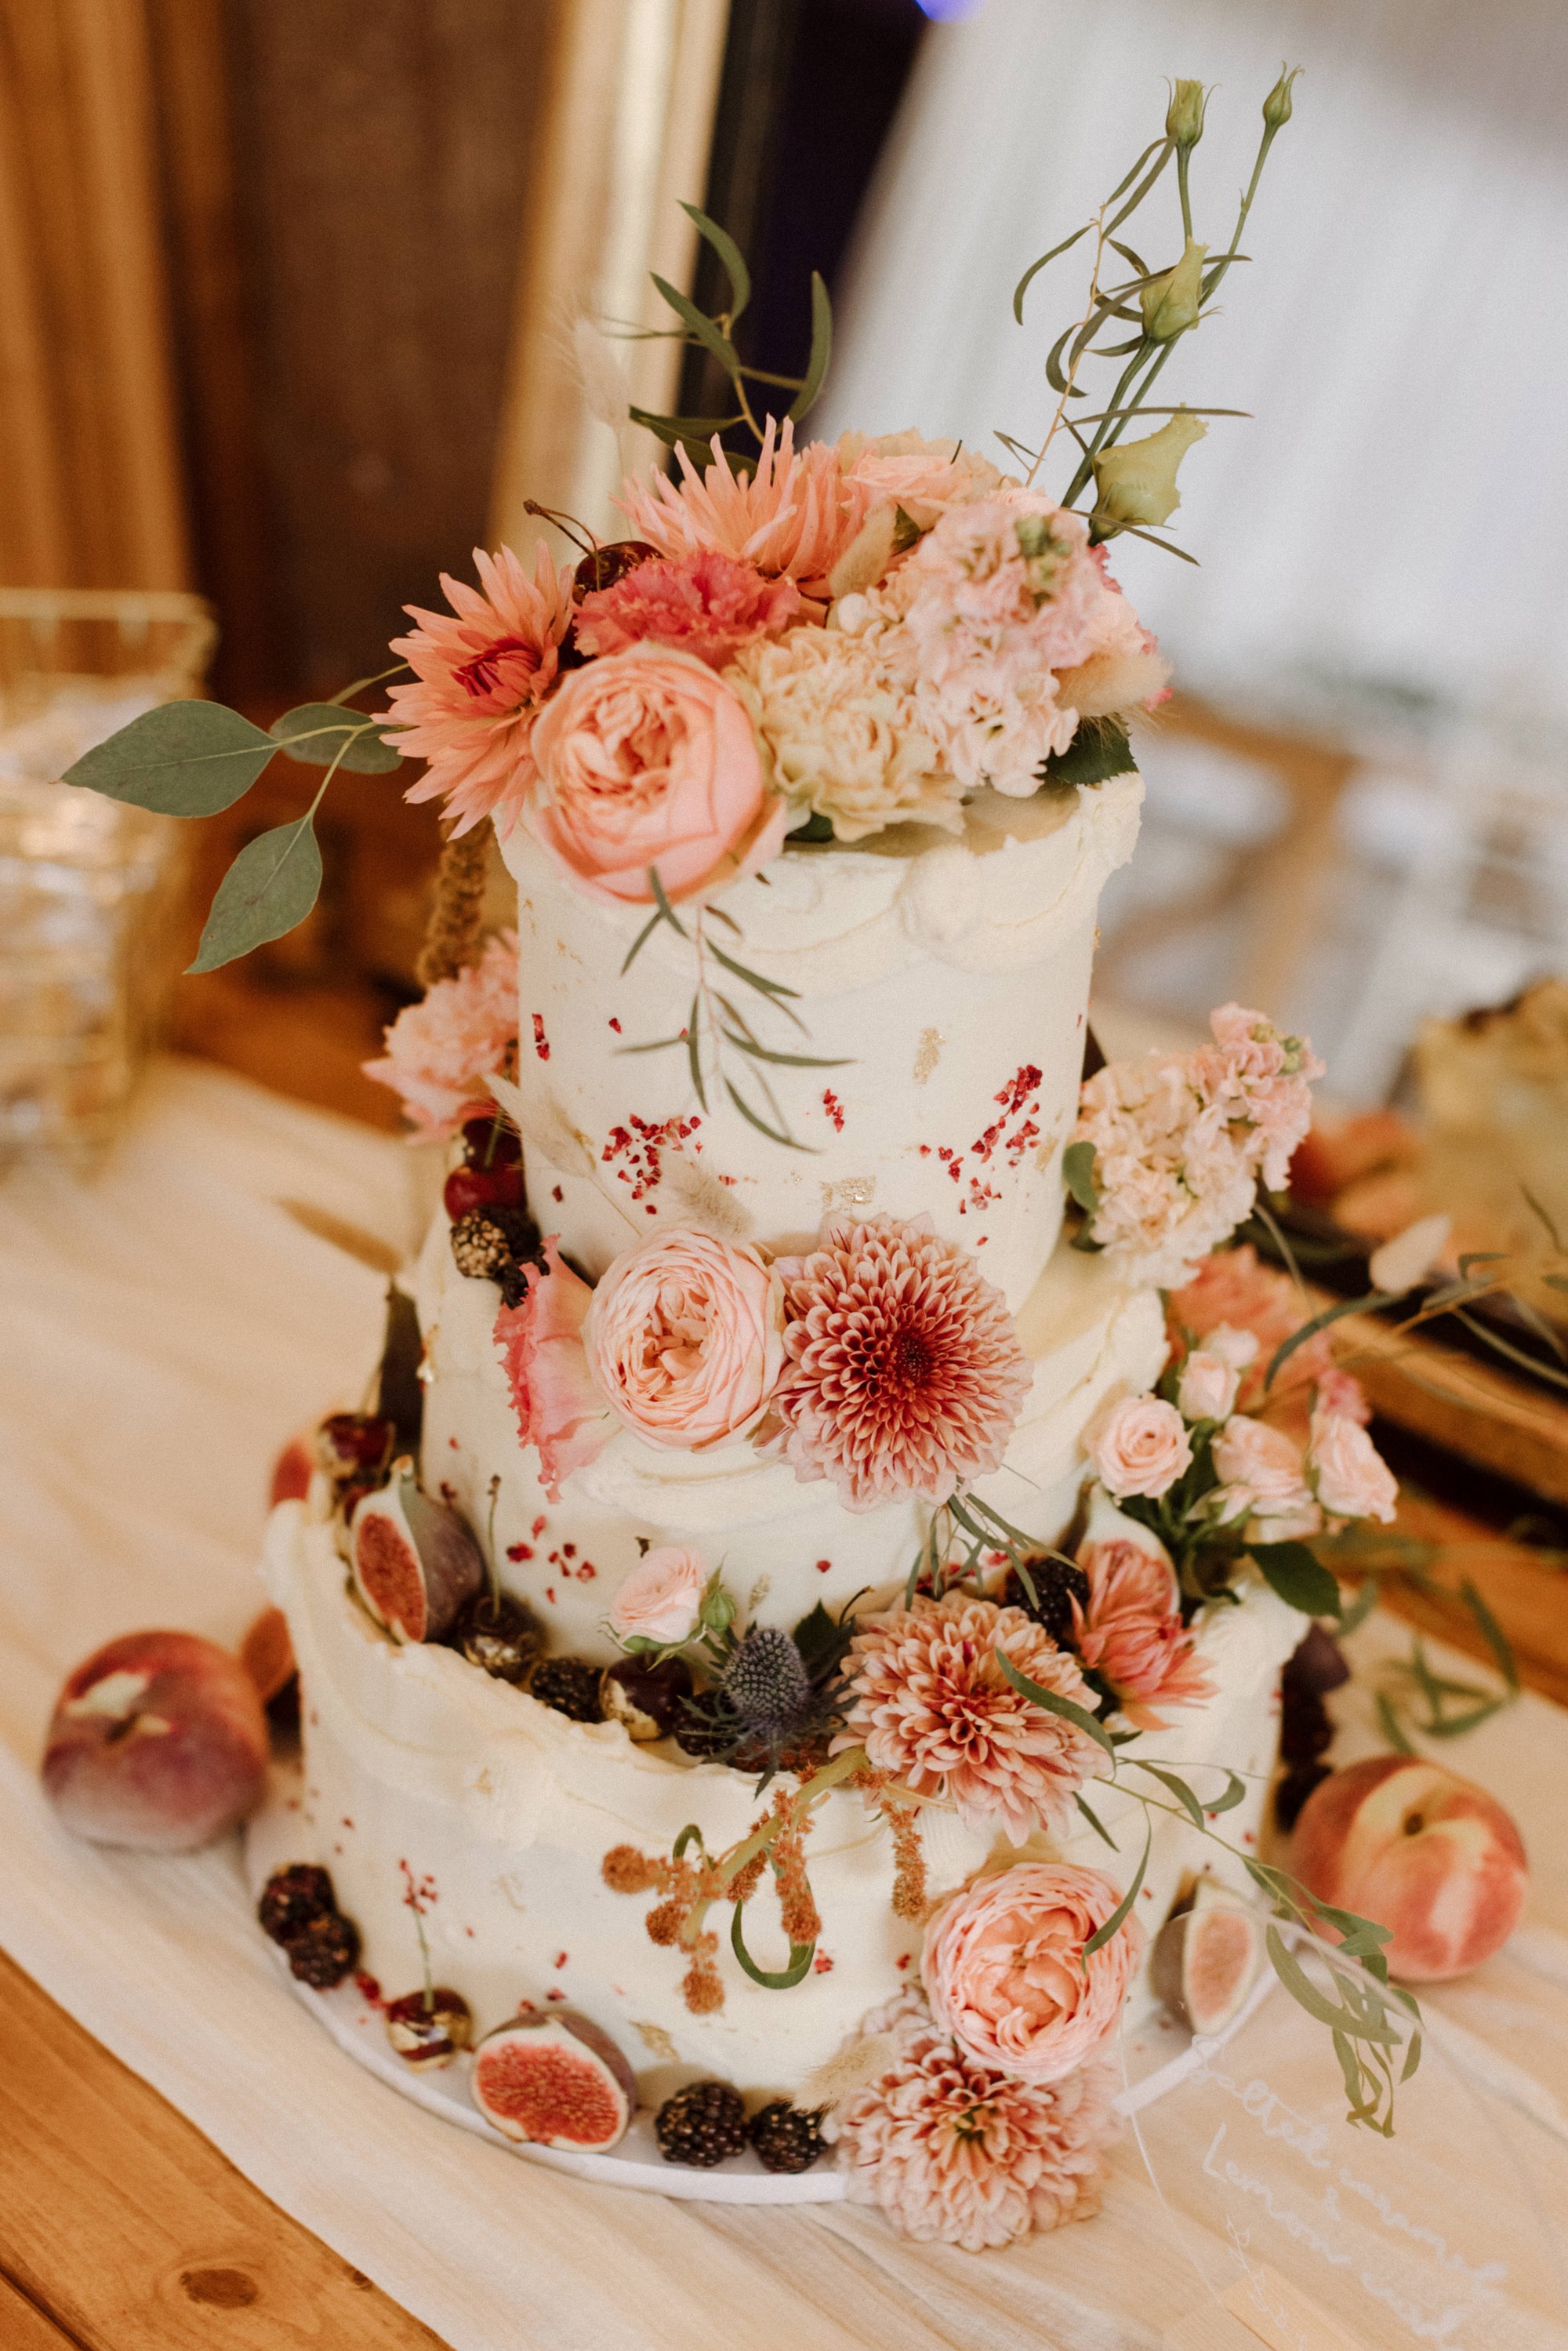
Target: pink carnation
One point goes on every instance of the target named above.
(792, 511)
(440, 1051)
(904, 1374)
(1131, 1633)
(559, 1409)
(479, 681)
(956, 2153)
(1004, 1967)
(705, 603)
(932, 1706)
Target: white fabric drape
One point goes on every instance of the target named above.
(1399, 506)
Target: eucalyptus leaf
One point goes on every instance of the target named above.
(772, 1980)
(1098, 750)
(184, 758)
(1301, 1580)
(1177, 1787)
(1096, 1823)
(1119, 1915)
(319, 732)
(1080, 1717)
(712, 338)
(1078, 1174)
(1286, 1347)
(729, 254)
(272, 886)
(805, 400)
(1491, 1633)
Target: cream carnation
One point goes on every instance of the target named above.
(931, 1705)
(440, 1051)
(956, 2153)
(842, 733)
(1138, 1445)
(1004, 1968)
(684, 1338)
(902, 1373)
(1352, 1478)
(660, 1600)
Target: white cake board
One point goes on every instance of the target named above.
(273, 1839)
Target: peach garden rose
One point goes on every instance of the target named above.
(1004, 1970)
(685, 1338)
(646, 759)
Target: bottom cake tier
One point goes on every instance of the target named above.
(421, 1770)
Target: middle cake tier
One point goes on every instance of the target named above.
(782, 1545)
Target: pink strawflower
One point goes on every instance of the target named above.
(932, 1706)
(480, 678)
(958, 2154)
(559, 1409)
(903, 1372)
(787, 511)
(440, 1051)
(1006, 1972)
(705, 603)
(1131, 1633)
(1181, 1139)
(1233, 1291)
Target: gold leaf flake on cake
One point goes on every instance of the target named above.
(927, 1053)
(849, 1192)
(656, 2041)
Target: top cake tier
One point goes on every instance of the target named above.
(948, 981)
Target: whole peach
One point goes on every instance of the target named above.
(1413, 1846)
(159, 1742)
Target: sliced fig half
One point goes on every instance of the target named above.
(1206, 1957)
(415, 1561)
(554, 2080)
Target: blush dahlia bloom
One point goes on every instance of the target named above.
(958, 2154)
(793, 512)
(685, 1338)
(559, 1409)
(902, 1373)
(479, 680)
(1004, 1968)
(440, 1051)
(706, 604)
(647, 759)
(1130, 1632)
(931, 1705)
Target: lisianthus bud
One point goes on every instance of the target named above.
(1136, 482)
(1277, 105)
(1170, 304)
(1183, 116)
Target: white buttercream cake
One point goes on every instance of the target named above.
(951, 978)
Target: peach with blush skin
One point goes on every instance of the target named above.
(158, 1741)
(1402, 1841)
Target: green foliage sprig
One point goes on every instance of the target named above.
(1134, 483)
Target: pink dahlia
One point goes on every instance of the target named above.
(440, 1051)
(1131, 1631)
(788, 510)
(705, 603)
(956, 2154)
(931, 1705)
(479, 679)
(903, 1372)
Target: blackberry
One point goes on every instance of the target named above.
(570, 1685)
(787, 2137)
(702, 2125)
(292, 1900)
(501, 1638)
(325, 1951)
(1057, 1584)
(765, 1685)
(493, 1243)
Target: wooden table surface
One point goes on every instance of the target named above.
(123, 2228)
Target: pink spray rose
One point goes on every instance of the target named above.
(1138, 1445)
(647, 758)
(440, 1051)
(1004, 1970)
(1131, 1630)
(686, 1338)
(660, 1599)
(1207, 1387)
(1351, 1477)
(558, 1408)
(1264, 1460)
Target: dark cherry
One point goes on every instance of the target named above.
(482, 1188)
(501, 1638)
(350, 1444)
(648, 1698)
(490, 1143)
(608, 564)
